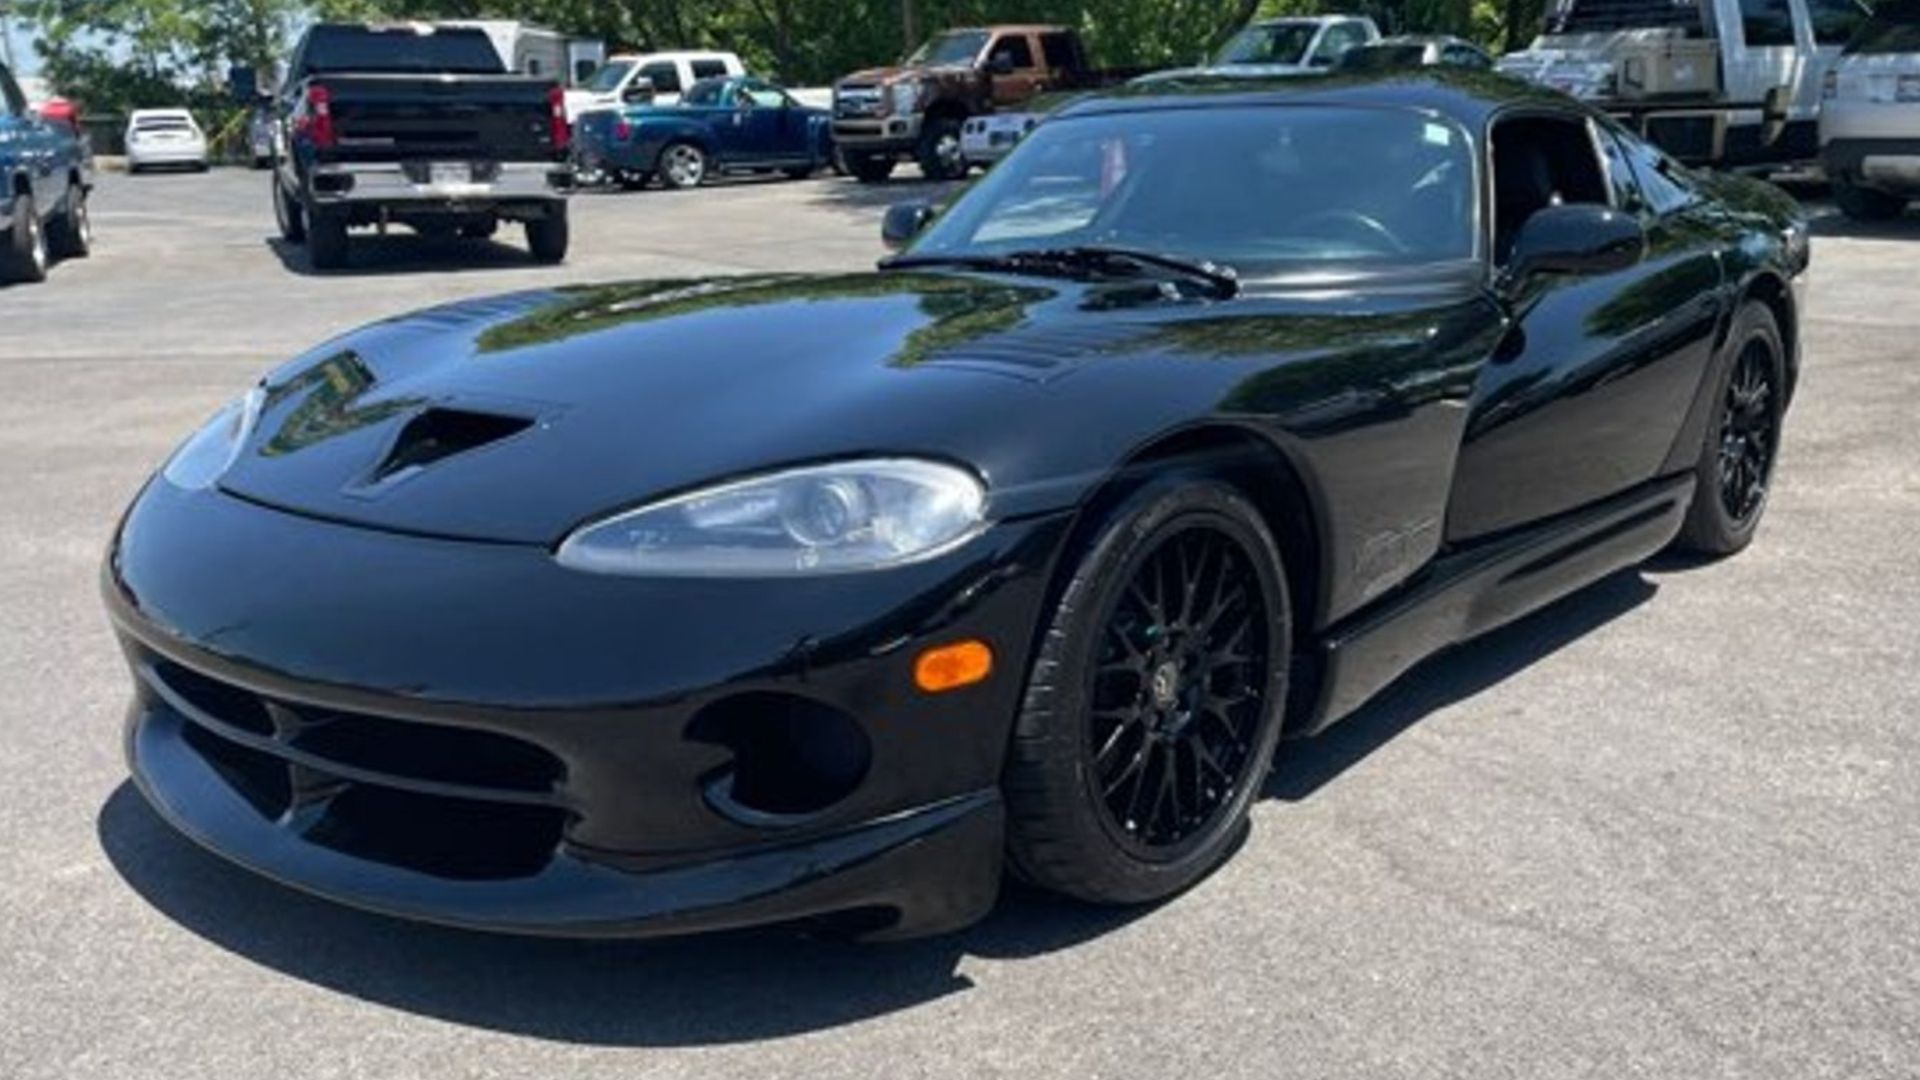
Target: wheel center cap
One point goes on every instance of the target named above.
(1165, 685)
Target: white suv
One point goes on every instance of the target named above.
(1870, 115)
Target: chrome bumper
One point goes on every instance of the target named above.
(390, 182)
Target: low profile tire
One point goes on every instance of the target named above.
(326, 238)
(1865, 203)
(1154, 704)
(25, 258)
(939, 153)
(869, 168)
(1742, 438)
(289, 215)
(683, 165)
(70, 233)
(547, 237)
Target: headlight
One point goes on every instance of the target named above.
(856, 515)
(207, 455)
(906, 96)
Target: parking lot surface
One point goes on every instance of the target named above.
(1668, 827)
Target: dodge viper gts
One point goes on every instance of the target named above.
(672, 606)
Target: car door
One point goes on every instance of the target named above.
(1015, 73)
(1587, 392)
(746, 130)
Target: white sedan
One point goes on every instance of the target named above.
(158, 137)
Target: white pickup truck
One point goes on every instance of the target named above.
(639, 78)
(1722, 82)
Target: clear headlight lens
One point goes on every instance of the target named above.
(211, 451)
(856, 515)
(906, 96)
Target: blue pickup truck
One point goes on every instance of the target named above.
(733, 124)
(43, 203)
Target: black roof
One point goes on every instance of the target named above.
(1468, 96)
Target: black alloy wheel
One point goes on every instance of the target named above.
(1742, 439)
(1154, 703)
(1178, 695)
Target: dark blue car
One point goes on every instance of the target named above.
(735, 124)
(44, 178)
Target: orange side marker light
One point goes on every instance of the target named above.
(951, 667)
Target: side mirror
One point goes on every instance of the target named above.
(1581, 238)
(1000, 64)
(903, 222)
(1775, 111)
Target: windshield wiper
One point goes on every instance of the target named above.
(1220, 281)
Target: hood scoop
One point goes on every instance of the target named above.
(437, 434)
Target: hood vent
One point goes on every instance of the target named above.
(441, 433)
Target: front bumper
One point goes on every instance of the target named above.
(469, 734)
(1892, 164)
(410, 184)
(880, 134)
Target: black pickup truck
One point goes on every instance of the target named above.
(419, 126)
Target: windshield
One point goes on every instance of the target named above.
(956, 47)
(1274, 43)
(609, 76)
(401, 49)
(1249, 186)
(1894, 28)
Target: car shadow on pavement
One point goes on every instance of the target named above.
(719, 988)
(1452, 676)
(403, 252)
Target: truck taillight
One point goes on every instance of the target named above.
(316, 123)
(557, 117)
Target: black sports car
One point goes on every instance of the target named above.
(1212, 409)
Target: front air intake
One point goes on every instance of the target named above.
(437, 434)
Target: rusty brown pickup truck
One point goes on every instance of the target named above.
(916, 109)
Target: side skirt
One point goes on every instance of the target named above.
(1475, 589)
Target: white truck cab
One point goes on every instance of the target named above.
(1294, 45)
(1723, 82)
(633, 78)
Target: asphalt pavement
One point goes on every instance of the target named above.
(1669, 827)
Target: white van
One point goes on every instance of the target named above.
(1723, 82)
(1870, 116)
(633, 78)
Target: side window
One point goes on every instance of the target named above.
(1059, 52)
(1835, 21)
(1015, 48)
(1766, 23)
(709, 69)
(663, 76)
(1463, 56)
(1541, 161)
(762, 95)
(1339, 38)
(15, 102)
(1663, 183)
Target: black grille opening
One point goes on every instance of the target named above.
(792, 755)
(261, 779)
(222, 701)
(419, 751)
(461, 839)
(442, 433)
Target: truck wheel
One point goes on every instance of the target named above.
(631, 180)
(683, 165)
(547, 237)
(1866, 204)
(939, 150)
(25, 257)
(288, 213)
(70, 235)
(326, 239)
(868, 168)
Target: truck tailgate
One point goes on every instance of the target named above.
(468, 117)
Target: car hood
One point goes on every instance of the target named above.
(517, 418)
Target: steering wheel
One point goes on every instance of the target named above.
(1357, 223)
